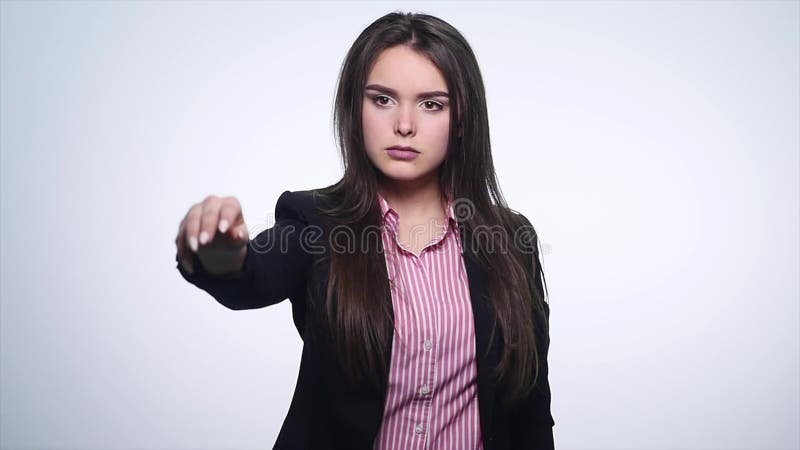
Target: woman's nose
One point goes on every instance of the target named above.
(404, 126)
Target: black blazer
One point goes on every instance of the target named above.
(326, 413)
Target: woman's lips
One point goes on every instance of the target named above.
(401, 153)
(403, 147)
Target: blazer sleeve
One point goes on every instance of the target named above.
(532, 421)
(275, 266)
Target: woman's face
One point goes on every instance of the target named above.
(406, 104)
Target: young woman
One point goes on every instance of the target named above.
(418, 293)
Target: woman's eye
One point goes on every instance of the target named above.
(378, 98)
(436, 105)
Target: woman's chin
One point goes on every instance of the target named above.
(403, 175)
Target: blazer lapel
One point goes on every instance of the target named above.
(486, 358)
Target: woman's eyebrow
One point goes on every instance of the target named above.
(390, 91)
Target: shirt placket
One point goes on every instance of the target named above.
(430, 347)
(427, 345)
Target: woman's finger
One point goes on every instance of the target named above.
(192, 226)
(209, 219)
(230, 215)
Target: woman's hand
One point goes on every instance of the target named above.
(215, 230)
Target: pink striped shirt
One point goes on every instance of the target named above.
(432, 398)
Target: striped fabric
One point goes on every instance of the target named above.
(432, 398)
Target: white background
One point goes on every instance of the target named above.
(654, 145)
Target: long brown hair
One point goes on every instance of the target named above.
(358, 303)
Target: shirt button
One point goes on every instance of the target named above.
(424, 389)
(418, 429)
(428, 344)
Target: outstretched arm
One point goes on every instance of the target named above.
(274, 268)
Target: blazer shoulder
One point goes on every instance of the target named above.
(299, 205)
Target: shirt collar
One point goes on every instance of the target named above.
(391, 218)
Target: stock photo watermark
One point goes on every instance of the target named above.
(287, 235)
